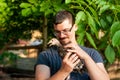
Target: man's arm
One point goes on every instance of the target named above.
(43, 73)
(68, 63)
(96, 70)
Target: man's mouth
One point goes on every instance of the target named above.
(63, 42)
(61, 39)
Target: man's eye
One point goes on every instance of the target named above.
(57, 31)
(66, 30)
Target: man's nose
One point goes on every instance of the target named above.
(61, 34)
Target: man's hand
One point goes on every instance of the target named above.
(75, 48)
(69, 62)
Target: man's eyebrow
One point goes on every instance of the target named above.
(63, 29)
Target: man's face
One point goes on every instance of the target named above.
(64, 32)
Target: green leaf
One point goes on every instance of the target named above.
(115, 27)
(25, 5)
(81, 33)
(81, 27)
(34, 9)
(117, 7)
(44, 6)
(100, 3)
(110, 54)
(104, 8)
(91, 23)
(80, 17)
(67, 1)
(48, 12)
(80, 38)
(116, 39)
(103, 23)
(26, 12)
(32, 1)
(90, 39)
(109, 18)
(3, 5)
(95, 14)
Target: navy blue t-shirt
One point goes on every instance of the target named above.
(51, 58)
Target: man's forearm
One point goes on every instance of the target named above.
(95, 72)
(60, 75)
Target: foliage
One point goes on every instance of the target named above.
(98, 21)
(8, 59)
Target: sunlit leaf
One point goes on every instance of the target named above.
(34, 9)
(110, 54)
(116, 38)
(117, 7)
(32, 1)
(89, 37)
(115, 27)
(91, 23)
(80, 38)
(80, 17)
(103, 23)
(26, 12)
(109, 18)
(25, 5)
(81, 27)
(104, 8)
(95, 14)
(67, 1)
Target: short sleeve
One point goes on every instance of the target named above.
(96, 56)
(42, 58)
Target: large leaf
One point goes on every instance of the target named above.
(81, 27)
(95, 14)
(80, 17)
(110, 54)
(80, 38)
(116, 38)
(104, 8)
(25, 5)
(91, 23)
(26, 12)
(103, 23)
(89, 37)
(109, 18)
(117, 7)
(67, 1)
(34, 9)
(44, 6)
(81, 33)
(32, 1)
(3, 5)
(115, 27)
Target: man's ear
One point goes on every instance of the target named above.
(76, 27)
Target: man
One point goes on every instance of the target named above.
(50, 66)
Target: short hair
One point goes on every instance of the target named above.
(62, 15)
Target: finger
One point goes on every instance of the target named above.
(71, 50)
(76, 62)
(72, 56)
(74, 59)
(68, 55)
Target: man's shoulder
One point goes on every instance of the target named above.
(50, 50)
(86, 48)
(89, 50)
